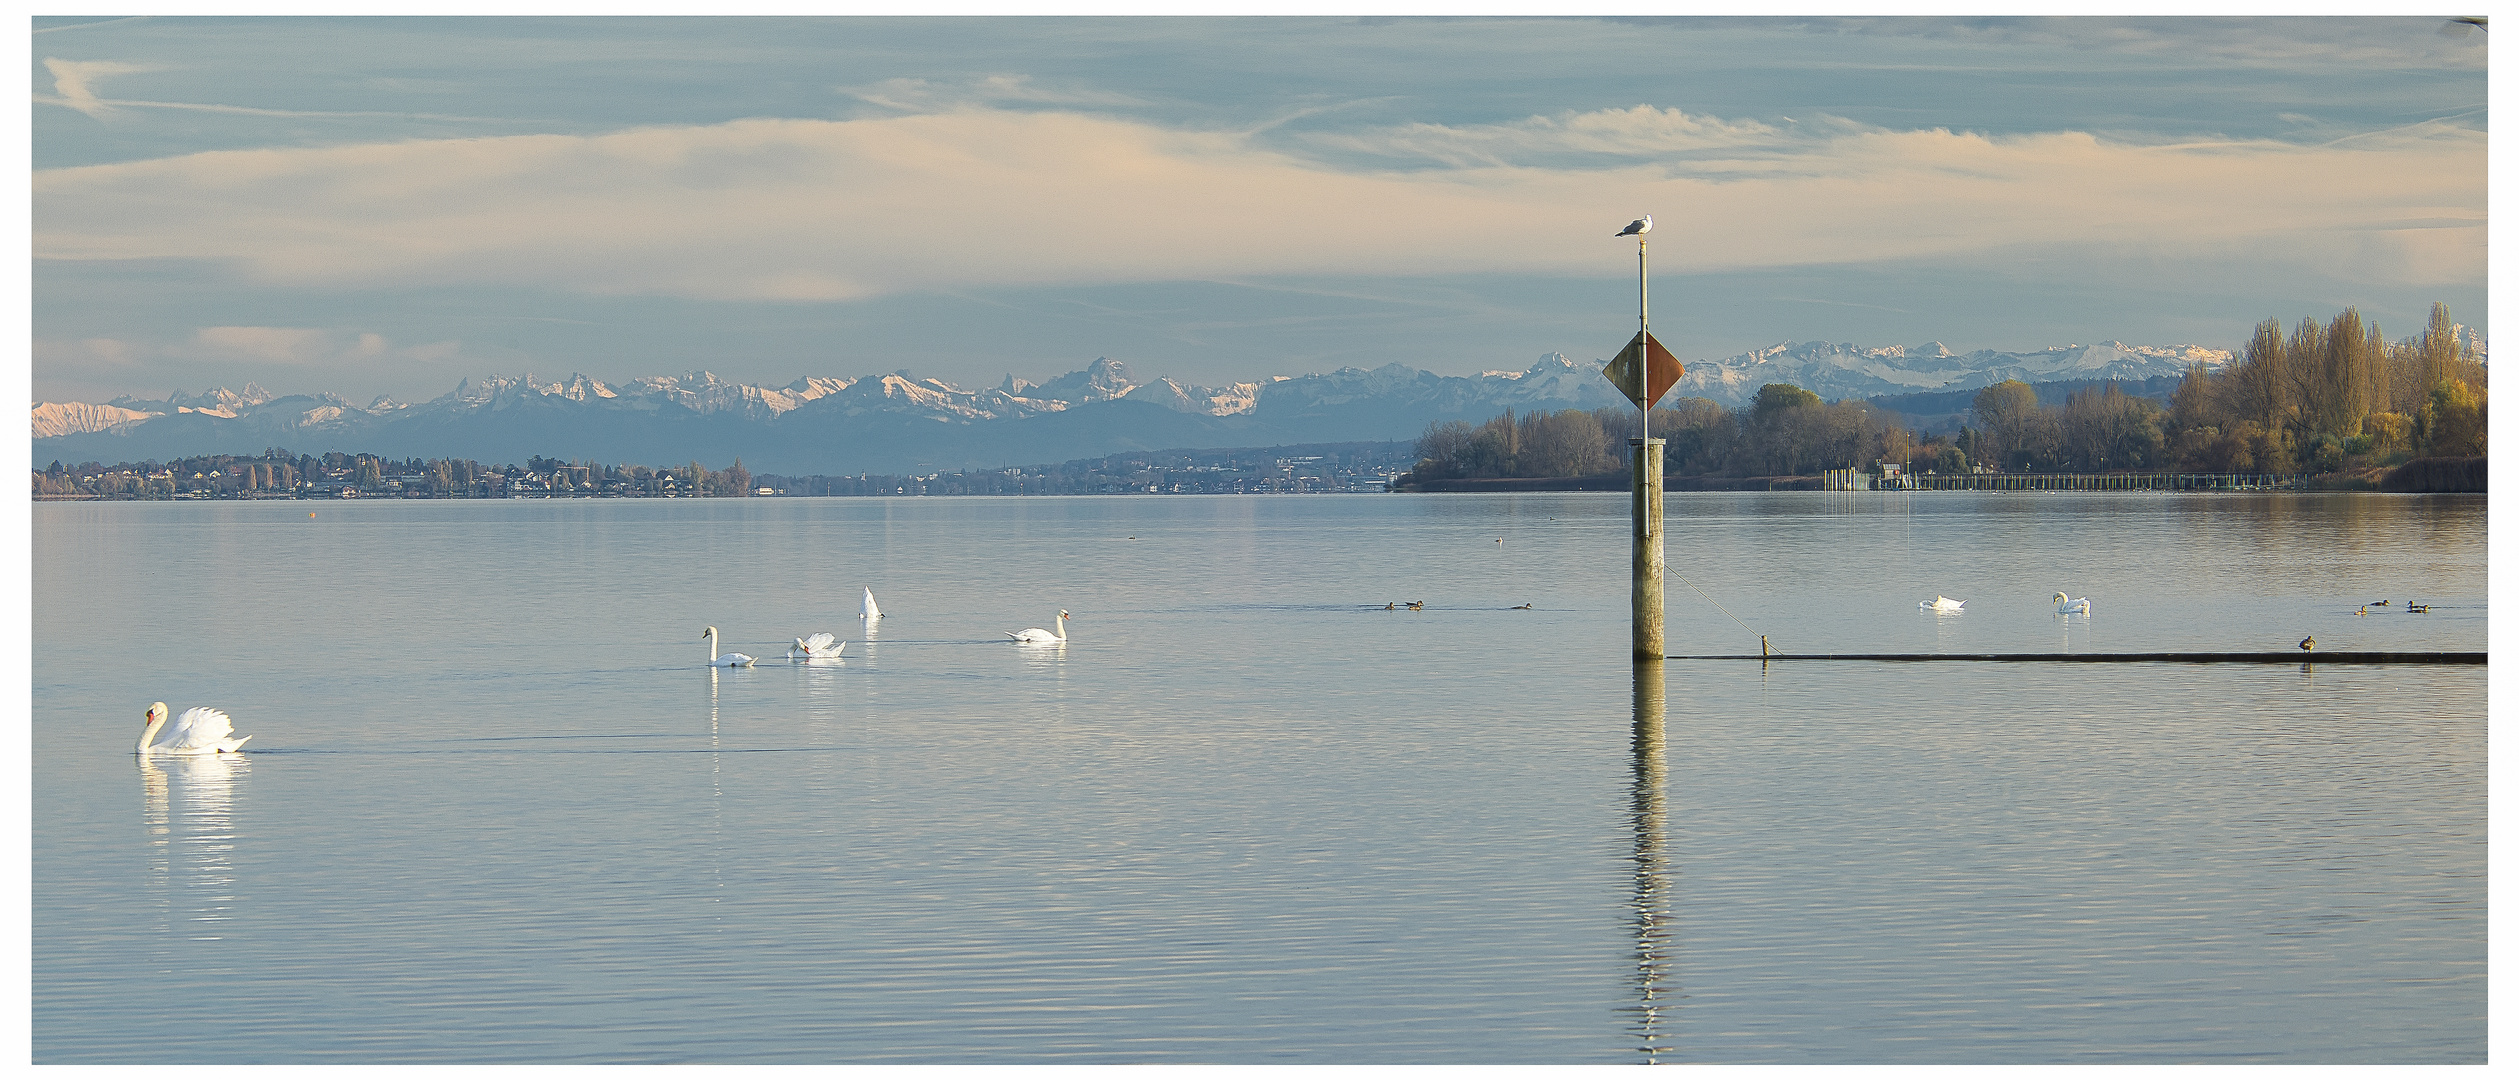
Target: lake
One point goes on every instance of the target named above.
(496, 809)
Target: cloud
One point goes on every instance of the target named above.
(1643, 132)
(269, 346)
(824, 210)
(74, 82)
(936, 95)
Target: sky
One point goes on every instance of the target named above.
(372, 206)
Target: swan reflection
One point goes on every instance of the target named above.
(1654, 988)
(187, 812)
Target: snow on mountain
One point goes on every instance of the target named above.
(1839, 371)
(74, 417)
(892, 422)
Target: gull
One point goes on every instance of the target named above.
(1638, 227)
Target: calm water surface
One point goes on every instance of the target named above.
(496, 810)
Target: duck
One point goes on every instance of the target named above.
(2362, 610)
(2412, 608)
(817, 647)
(1939, 603)
(1037, 636)
(1416, 605)
(1390, 607)
(732, 659)
(2308, 643)
(198, 731)
(1525, 607)
(2378, 603)
(2065, 605)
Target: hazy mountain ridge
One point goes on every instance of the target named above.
(1839, 371)
(901, 423)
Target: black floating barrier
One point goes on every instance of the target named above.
(2294, 656)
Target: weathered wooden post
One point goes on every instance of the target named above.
(1644, 371)
(1648, 549)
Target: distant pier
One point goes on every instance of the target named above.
(2294, 656)
(1853, 480)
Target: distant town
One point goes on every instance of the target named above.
(279, 474)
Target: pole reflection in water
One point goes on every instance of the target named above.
(1655, 990)
(188, 806)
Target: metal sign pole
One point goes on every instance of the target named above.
(1648, 490)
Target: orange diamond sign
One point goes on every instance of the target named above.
(1644, 370)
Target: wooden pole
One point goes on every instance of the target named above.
(1648, 548)
(1647, 490)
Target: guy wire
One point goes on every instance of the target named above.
(1727, 612)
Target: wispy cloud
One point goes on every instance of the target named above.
(816, 210)
(943, 95)
(224, 348)
(74, 81)
(1641, 133)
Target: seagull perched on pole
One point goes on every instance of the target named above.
(1638, 227)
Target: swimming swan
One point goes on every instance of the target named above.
(2067, 606)
(817, 647)
(732, 659)
(1939, 603)
(868, 611)
(198, 731)
(1038, 636)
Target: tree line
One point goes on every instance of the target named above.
(278, 473)
(2323, 398)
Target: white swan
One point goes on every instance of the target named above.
(868, 611)
(732, 659)
(198, 731)
(817, 647)
(1939, 603)
(2065, 605)
(1038, 636)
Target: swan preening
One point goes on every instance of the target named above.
(1038, 636)
(817, 647)
(1939, 603)
(732, 659)
(2065, 605)
(868, 611)
(198, 731)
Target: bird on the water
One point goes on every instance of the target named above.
(730, 660)
(1638, 227)
(1037, 636)
(2067, 605)
(2308, 643)
(198, 731)
(1525, 607)
(2413, 608)
(817, 647)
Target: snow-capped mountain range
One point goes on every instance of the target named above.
(902, 423)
